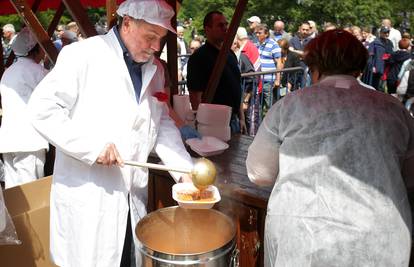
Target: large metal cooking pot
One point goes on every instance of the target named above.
(187, 237)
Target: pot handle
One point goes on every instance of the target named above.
(234, 259)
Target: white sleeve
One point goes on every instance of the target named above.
(51, 104)
(169, 146)
(262, 161)
(402, 87)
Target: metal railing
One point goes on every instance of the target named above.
(258, 88)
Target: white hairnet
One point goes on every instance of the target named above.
(9, 28)
(156, 12)
(23, 43)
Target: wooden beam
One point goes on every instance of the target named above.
(36, 5)
(31, 21)
(172, 52)
(79, 14)
(222, 57)
(110, 13)
(56, 18)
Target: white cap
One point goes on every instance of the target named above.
(156, 12)
(241, 33)
(254, 19)
(9, 28)
(23, 42)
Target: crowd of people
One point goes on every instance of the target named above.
(105, 101)
(274, 49)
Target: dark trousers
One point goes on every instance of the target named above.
(376, 78)
(126, 252)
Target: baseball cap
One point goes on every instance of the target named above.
(385, 29)
(23, 42)
(254, 19)
(241, 33)
(156, 12)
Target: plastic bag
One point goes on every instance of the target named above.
(8, 235)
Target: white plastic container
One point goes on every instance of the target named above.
(221, 132)
(181, 105)
(198, 204)
(212, 114)
(207, 146)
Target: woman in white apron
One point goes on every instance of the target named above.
(339, 156)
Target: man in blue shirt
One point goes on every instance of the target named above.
(270, 60)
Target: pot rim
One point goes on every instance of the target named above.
(188, 259)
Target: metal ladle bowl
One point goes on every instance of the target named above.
(203, 173)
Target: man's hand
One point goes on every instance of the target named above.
(243, 127)
(110, 156)
(185, 178)
(276, 84)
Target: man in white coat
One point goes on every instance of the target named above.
(104, 102)
(24, 150)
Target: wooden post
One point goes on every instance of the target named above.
(172, 52)
(222, 57)
(110, 13)
(56, 18)
(36, 28)
(79, 14)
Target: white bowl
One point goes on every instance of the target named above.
(212, 114)
(207, 146)
(221, 132)
(199, 204)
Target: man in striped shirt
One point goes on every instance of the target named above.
(270, 60)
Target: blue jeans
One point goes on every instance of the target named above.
(267, 97)
(235, 124)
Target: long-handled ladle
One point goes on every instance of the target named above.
(203, 173)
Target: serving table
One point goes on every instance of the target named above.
(242, 200)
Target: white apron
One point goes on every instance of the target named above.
(87, 101)
(339, 198)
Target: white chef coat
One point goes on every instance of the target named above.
(22, 146)
(87, 101)
(339, 198)
(17, 84)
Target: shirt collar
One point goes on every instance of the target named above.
(265, 41)
(125, 51)
(121, 43)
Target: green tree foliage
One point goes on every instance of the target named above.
(341, 12)
(293, 12)
(45, 17)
